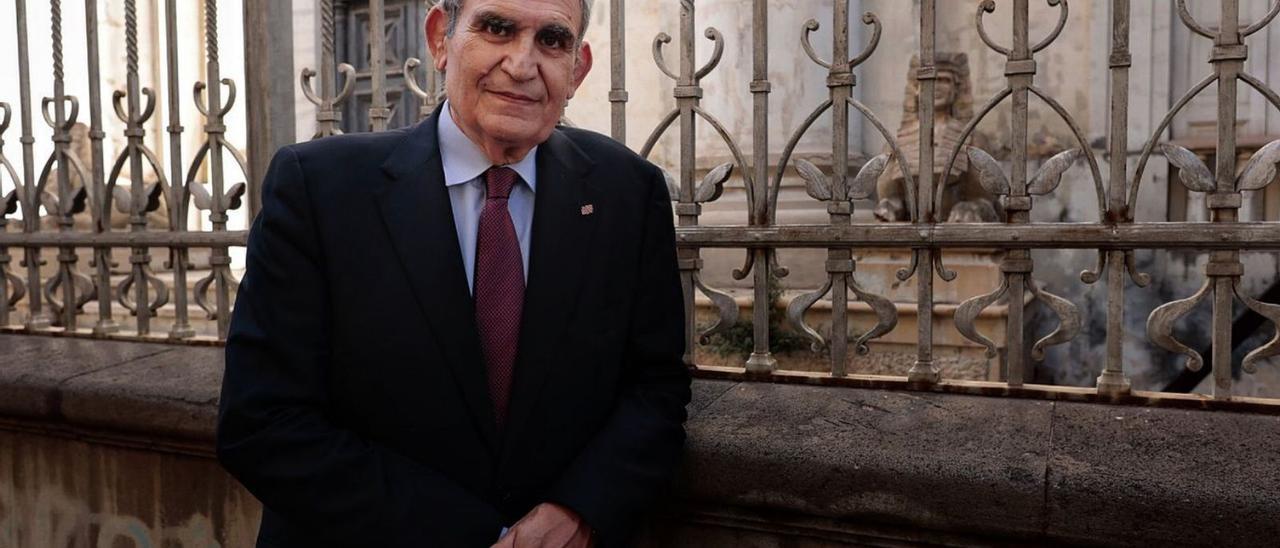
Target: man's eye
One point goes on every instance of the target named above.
(497, 29)
(552, 41)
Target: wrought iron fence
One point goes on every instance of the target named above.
(57, 298)
(67, 190)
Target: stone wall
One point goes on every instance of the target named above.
(103, 443)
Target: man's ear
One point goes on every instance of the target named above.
(582, 67)
(437, 28)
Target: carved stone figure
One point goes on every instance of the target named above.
(81, 148)
(964, 199)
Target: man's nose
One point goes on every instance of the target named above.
(521, 62)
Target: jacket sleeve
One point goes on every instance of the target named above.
(273, 432)
(627, 466)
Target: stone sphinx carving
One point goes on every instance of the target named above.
(964, 199)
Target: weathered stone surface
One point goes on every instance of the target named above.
(927, 460)
(117, 429)
(858, 465)
(1164, 477)
(150, 394)
(32, 369)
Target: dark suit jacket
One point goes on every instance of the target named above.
(354, 404)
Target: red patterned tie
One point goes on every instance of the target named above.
(499, 287)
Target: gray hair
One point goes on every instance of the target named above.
(453, 8)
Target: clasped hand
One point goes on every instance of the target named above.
(548, 525)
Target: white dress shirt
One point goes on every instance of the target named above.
(464, 167)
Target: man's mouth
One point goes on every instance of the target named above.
(515, 97)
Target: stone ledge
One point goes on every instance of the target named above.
(984, 468)
(802, 465)
(139, 391)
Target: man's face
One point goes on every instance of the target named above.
(510, 67)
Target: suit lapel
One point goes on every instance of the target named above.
(416, 209)
(562, 230)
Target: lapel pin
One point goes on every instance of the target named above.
(588, 209)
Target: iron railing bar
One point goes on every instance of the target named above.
(761, 359)
(36, 318)
(219, 260)
(65, 277)
(1224, 267)
(687, 93)
(923, 369)
(1115, 236)
(618, 70)
(178, 199)
(106, 323)
(998, 389)
(840, 209)
(1252, 236)
(1112, 381)
(155, 238)
(1019, 69)
(378, 111)
(135, 116)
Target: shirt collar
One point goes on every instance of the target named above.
(464, 161)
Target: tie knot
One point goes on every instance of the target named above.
(498, 181)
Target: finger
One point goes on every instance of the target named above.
(508, 540)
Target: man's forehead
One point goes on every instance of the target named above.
(530, 12)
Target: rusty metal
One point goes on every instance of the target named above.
(379, 113)
(328, 102)
(69, 189)
(618, 95)
(1222, 188)
(433, 93)
(142, 197)
(839, 192)
(12, 288)
(76, 288)
(1017, 190)
(178, 195)
(923, 370)
(761, 359)
(29, 195)
(1253, 236)
(218, 199)
(100, 201)
(689, 194)
(56, 295)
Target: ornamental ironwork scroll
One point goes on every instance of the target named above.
(688, 193)
(1222, 188)
(78, 183)
(838, 192)
(56, 210)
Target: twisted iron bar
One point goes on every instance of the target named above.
(211, 29)
(327, 102)
(70, 199)
(131, 35)
(55, 8)
(216, 199)
(142, 198)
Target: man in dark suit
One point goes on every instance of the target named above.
(464, 333)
